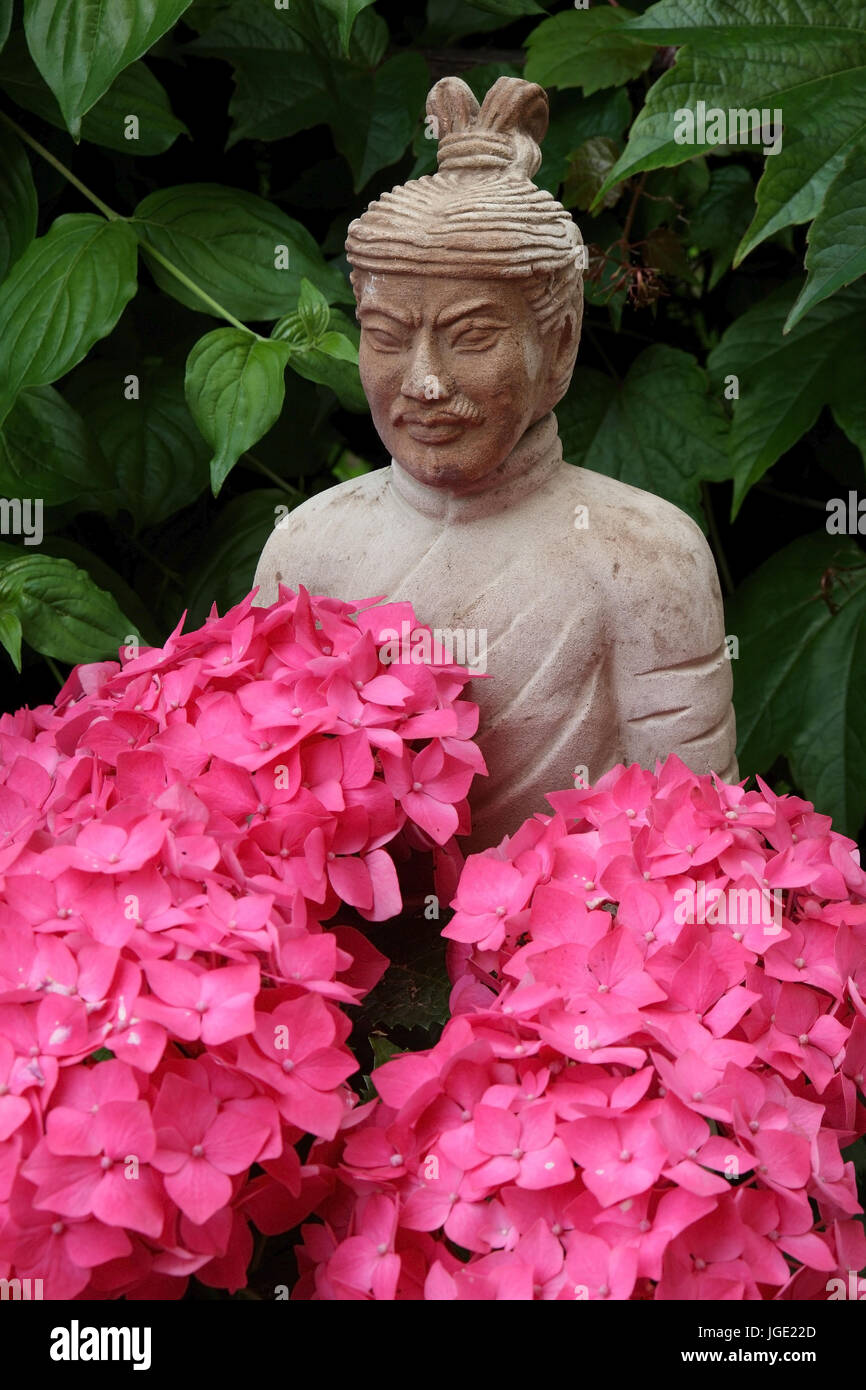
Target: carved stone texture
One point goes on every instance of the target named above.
(596, 604)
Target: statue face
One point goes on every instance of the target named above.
(455, 371)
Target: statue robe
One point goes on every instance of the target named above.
(601, 605)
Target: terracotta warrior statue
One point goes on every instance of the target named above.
(595, 605)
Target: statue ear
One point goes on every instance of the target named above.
(453, 104)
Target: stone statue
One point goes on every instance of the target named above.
(594, 605)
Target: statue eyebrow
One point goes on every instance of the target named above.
(451, 316)
(446, 318)
(405, 320)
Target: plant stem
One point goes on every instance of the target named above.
(721, 558)
(113, 216)
(268, 473)
(61, 680)
(155, 560)
(61, 168)
(791, 497)
(191, 285)
(588, 329)
(635, 199)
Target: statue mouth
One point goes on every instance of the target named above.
(437, 429)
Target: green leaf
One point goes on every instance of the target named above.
(658, 430)
(802, 57)
(392, 108)
(509, 9)
(18, 205)
(80, 46)
(722, 216)
(47, 451)
(134, 92)
(234, 388)
(801, 671)
(10, 635)
(62, 612)
(319, 351)
(224, 569)
(415, 989)
(143, 621)
(234, 245)
(585, 48)
(333, 362)
(587, 171)
(784, 381)
(575, 118)
(346, 12)
(5, 20)
(836, 253)
(67, 291)
(313, 312)
(289, 76)
(158, 457)
(448, 20)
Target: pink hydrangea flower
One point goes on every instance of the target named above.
(648, 1078)
(180, 835)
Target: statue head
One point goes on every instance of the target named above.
(468, 290)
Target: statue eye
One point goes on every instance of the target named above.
(476, 337)
(382, 340)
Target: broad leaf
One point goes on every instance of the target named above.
(242, 250)
(158, 457)
(804, 58)
(784, 381)
(5, 19)
(585, 48)
(18, 206)
(587, 171)
(62, 612)
(224, 570)
(658, 429)
(393, 106)
(346, 12)
(47, 451)
(801, 672)
(414, 991)
(575, 118)
(320, 352)
(67, 291)
(837, 238)
(10, 635)
(134, 92)
(721, 217)
(144, 622)
(80, 46)
(234, 388)
(290, 75)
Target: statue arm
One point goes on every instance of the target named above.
(674, 675)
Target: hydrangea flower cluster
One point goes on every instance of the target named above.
(176, 831)
(658, 1040)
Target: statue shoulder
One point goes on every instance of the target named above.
(303, 540)
(652, 545)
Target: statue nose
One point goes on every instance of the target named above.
(423, 379)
